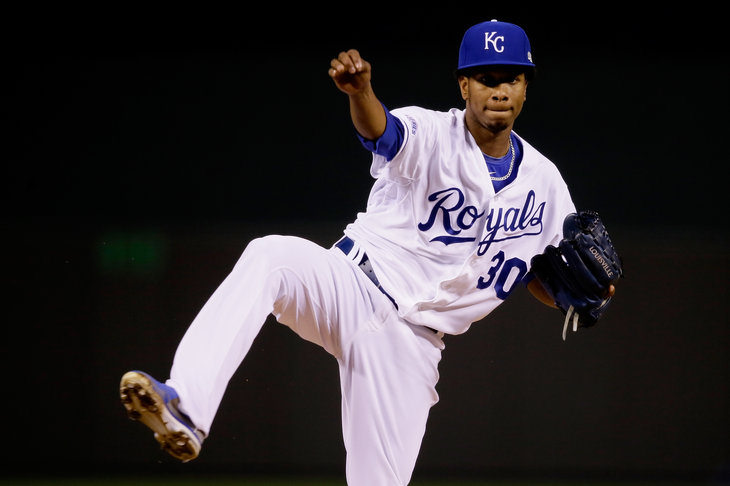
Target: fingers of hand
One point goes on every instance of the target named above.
(347, 62)
(351, 61)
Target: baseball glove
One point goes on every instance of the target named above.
(579, 272)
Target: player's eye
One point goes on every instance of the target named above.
(493, 82)
(487, 81)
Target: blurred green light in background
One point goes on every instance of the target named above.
(132, 253)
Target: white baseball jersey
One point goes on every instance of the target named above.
(442, 243)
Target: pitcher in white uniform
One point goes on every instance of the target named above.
(459, 205)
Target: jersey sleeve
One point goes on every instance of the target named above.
(422, 130)
(388, 144)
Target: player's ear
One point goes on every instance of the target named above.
(464, 87)
(524, 91)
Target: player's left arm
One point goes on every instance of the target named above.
(539, 292)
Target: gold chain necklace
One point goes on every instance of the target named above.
(511, 164)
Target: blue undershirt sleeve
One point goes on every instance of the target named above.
(390, 141)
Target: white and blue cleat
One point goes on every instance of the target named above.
(155, 405)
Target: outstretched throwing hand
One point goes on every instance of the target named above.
(350, 72)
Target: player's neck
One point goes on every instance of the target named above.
(494, 144)
(493, 141)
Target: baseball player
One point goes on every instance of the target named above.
(460, 206)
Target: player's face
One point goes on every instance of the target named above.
(494, 98)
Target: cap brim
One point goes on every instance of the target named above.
(527, 68)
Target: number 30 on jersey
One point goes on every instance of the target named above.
(504, 275)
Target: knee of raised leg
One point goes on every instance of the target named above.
(271, 248)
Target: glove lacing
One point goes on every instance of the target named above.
(575, 317)
(571, 314)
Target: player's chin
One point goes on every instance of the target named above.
(499, 120)
(496, 126)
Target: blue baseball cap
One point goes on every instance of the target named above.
(495, 43)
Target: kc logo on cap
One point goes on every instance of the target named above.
(492, 38)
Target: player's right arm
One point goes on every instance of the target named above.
(351, 74)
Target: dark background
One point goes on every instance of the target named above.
(144, 148)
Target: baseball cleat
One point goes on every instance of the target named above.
(155, 405)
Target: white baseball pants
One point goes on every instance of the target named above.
(388, 367)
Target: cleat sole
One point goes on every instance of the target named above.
(143, 404)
